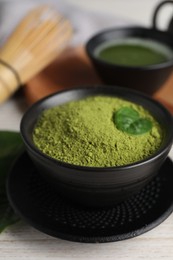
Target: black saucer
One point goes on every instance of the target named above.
(35, 201)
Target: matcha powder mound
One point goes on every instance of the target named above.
(84, 133)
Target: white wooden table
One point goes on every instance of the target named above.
(21, 241)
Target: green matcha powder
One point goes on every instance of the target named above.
(83, 133)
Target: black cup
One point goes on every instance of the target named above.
(147, 79)
(97, 186)
(156, 13)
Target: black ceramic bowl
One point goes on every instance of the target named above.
(96, 186)
(147, 79)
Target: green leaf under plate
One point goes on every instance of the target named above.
(10, 146)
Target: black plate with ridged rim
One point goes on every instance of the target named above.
(42, 207)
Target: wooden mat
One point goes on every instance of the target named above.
(73, 69)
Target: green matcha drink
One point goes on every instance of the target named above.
(99, 131)
(134, 52)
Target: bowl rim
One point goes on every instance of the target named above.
(90, 50)
(37, 152)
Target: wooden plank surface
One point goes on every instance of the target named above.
(25, 243)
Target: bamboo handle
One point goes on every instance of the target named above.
(9, 81)
(36, 42)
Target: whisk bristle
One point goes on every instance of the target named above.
(36, 41)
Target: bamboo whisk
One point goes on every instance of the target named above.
(35, 42)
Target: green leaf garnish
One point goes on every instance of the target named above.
(10, 146)
(128, 120)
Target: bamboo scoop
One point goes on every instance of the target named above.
(35, 42)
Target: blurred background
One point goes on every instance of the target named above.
(138, 11)
(82, 13)
(87, 18)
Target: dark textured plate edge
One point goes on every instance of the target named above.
(88, 239)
